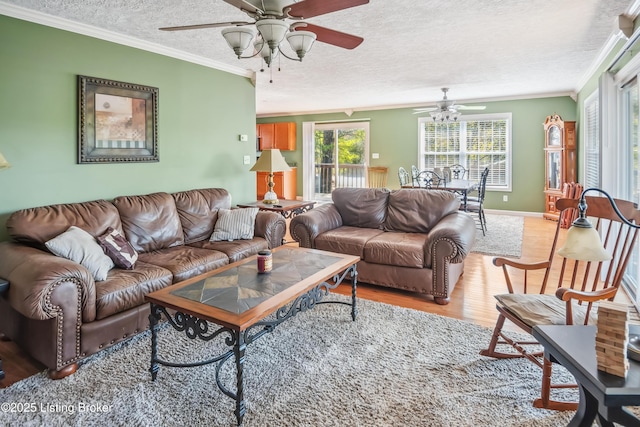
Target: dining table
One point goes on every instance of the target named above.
(459, 186)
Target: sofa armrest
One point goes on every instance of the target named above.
(44, 286)
(306, 227)
(451, 238)
(271, 226)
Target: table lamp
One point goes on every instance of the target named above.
(4, 164)
(271, 161)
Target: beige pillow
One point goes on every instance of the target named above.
(235, 224)
(79, 246)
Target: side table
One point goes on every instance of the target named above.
(287, 208)
(602, 395)
(4, 286)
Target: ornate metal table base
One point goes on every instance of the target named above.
(239, 339)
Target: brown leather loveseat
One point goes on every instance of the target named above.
(59, 314)
(410, 239)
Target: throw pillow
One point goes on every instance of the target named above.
(116, 246)
(234, 224)
(79, 246)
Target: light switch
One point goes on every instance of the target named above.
(247, 160)
(244, 138)
(375, 155)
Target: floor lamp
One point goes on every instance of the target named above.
(271, 161)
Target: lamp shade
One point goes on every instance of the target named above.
(272, 31)
(271, 161)
(301, 42)
(4, 164)
(584, 244)
(238, 38)
(267, 54)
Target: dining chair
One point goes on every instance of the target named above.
(580, 285)
(459, 172)
(476, 204)
(428, 179)
(414, 175)
(403, 177)
(377, 176)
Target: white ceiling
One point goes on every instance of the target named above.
(481, 49)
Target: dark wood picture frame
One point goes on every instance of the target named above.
(118, 122)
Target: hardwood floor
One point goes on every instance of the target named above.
(472, 298)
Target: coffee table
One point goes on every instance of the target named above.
(238, 305)
(287, 208)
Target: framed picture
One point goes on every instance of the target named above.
(118, 122)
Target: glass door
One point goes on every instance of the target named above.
(339, 157)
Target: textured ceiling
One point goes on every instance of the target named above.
(481, 49)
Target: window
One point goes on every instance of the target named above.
(476, 142)
(592, 141)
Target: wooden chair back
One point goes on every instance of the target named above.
(377, 176)
(576, 277)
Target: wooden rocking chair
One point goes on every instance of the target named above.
(579, 285)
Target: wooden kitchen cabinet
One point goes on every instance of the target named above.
(285, 184)
(280, 135)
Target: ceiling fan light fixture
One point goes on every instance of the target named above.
(272, 31)
(265, 52)
(301, 42)
(238, 38)
(445, 116)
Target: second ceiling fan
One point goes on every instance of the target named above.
(446, 110)
(269, 18)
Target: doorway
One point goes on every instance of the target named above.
(338, 158)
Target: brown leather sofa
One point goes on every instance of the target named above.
(57, 312)
(410, 239)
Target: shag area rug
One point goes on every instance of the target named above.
(503, 236)
(391, 367)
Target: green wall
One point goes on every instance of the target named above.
(201, 113)
(394, 134)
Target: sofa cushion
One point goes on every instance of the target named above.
(117, 248)
(150, 222)
(394, 248)
(185, 261)
(417, 210)
(361, 207)
(198, 211)
(234, 224)
(125, 289)
(346, 240)
(236, 249)
(79, 246)
(35, 226)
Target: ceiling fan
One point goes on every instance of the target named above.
(269, 18)
(446, 110)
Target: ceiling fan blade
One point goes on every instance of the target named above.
(243, 5)
(326, 35)
(425, 110)
(471, 107)
(310, 8)
(200, 26)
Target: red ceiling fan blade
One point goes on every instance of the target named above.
(326, 35)
(310, 8)
(200, 26)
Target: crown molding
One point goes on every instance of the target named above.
(111, 36)
(606, 49)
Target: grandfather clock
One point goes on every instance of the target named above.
(560, 161)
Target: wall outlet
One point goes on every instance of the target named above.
(246, 160)
(505, 198)
(375, 155)
(244, 138)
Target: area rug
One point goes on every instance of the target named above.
(503, 236)
(392, 366)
